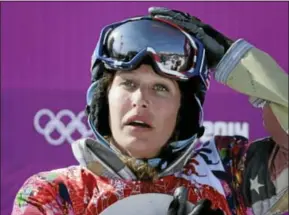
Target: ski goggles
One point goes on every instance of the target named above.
(174, 52)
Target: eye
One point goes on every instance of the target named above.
(129, 84)
(161, 88)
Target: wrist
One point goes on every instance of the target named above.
(230, 60)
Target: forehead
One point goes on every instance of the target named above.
(144, 71)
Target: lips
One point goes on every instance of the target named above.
(139, 124)
(138, 121)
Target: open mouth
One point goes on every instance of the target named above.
(139, 124)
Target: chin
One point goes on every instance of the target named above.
(141, 155)
(140, 149)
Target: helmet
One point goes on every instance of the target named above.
(192, 77)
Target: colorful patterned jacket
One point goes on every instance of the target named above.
(237, 176)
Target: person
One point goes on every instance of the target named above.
(146, 113)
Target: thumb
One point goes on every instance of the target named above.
(210, 43)
(202, 207)
(173, 207)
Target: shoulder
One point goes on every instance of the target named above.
(231, 148)
(228, 142)
(55, 187)
(266, 143)
(238, 144)
(228, 147)
(228, 154)
(55, 176)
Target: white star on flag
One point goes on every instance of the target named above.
(255, 185)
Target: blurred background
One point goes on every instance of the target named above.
(45, 59)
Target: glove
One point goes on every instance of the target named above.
(216, 44)
(178, 205)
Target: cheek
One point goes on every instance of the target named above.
(118, 103)
(167, 114)
(270, 122)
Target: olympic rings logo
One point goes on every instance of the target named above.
(56, 124)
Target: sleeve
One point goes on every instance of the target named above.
(264, 172)
(38, 196)
(232, 151)
(253, 72)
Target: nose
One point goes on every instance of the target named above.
(140, 99)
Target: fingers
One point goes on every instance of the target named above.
(219, 212)
(210, 43)
(185, 25)
(154, 11)
(181, 194)
(173, 208)
(215, 43)
(161, 11)
(202, 207)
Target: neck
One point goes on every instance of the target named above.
(142, 170)
(281, 138)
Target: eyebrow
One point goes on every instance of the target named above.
(163, 79)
